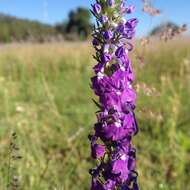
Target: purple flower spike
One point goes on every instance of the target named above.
(97, 8)
(111, 142)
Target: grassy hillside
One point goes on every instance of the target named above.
(15, 29)
(45, 97)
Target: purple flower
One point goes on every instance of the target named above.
(122, 6)
(103, 19)
(132, 23)
(118, 99)
(106, 57)
(115, 91)
(111, 3)
(97, 151)
(121, 28)
(111, 132)
(108, 35)
(95, 42)
(131, 76)
(96, 185)
(109, 185)
(129, 34)
(130, 9)
(124, 63)
(129, 124)
(116, 130)
(120, 52)
(120, 167)
(97, 8)
(98, 67)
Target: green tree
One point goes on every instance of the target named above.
(78, 24)
(16, 29)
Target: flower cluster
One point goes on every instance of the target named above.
(116, 124)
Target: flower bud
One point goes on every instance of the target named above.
(108, 35)
(130, 9)
(95, 42)
(111, 3)
(103, 19)
(97, 8)
(132, 23)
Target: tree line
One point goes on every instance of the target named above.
(78, 26)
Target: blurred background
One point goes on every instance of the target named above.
(46, 111)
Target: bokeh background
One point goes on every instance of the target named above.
(46, 112)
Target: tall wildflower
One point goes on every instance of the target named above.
(111, 143)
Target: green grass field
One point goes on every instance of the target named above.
(46, 98)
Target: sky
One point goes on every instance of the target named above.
(54, 11)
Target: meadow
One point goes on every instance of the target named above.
(45, 97)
